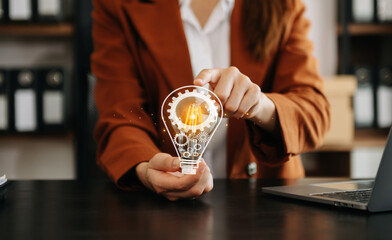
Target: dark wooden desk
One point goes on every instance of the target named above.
(235, 209)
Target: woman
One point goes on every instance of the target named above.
(255, 56)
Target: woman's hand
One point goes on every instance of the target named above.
(241, 98)
(156, 176)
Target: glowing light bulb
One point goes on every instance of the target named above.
(191, 116)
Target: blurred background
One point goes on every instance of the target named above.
(47, 112)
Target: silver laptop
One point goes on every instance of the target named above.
(369, 195)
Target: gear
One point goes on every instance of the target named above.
(201, 94)
(202, 137)
(197, 147)
(186, 154)
(184, 140)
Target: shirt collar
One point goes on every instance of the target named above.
(226, 4)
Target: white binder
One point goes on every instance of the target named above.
(384, 98)
(363, 10)
(384, 10)
(1, 10)
(53, 98)
(3, 103)
(364, 111)
(20, 10)
(49, 8)
(25, 105)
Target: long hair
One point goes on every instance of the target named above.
(264, 22)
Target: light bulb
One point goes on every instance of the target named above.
(191, 116)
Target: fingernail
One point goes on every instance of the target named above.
(200, 80)
(176, 163)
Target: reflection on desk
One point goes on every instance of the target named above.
(235, 209)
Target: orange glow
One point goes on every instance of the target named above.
(193, 117)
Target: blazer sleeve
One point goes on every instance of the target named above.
(302, 109)
(125, 131)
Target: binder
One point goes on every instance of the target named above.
(4, 17)
(20, 10)
(384, 97)
(50, 10)
(4, 101)
(52, 99)
(25, 108)
(363, 10)
(384, 10)
(364, 104)
(2, 11)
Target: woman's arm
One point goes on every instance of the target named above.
(125, 132)
(294, 116)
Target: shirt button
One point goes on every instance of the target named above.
(252, 168)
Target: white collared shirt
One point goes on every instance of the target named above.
(209, 47)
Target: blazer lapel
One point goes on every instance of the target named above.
(159, 25)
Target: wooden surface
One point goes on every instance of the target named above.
(37, 30)
(235, 209)
(358, 29)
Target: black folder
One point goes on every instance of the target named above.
(24, 86)
(52, 98)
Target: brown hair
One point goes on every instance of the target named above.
(264, 21)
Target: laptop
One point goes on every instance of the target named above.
(369, 195)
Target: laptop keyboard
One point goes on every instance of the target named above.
(361, 196)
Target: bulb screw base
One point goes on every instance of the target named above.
(189, 166)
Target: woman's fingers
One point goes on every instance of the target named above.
(203, 185)
(210, 76)
(240, 88)
(165, 162)
(248, 102)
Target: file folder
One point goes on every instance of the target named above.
(20, 10)
(364, 106)
(384, 97)
(52, 98)
(50, 10)
(363, 10)
(25, 100)
(4, 101)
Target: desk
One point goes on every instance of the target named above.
(235, 209)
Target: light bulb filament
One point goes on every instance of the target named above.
(193, 117)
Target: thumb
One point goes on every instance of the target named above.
(164, 162)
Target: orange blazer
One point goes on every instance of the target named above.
(141, 55)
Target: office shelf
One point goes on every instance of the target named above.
(37, 30)
(366, 29)
(363, 138)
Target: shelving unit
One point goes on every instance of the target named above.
(363, 138)
(39, 155)
(37, 30)
(360, 44)
(366, 29)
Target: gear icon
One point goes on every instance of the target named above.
(202, 137)
(205, 97)
(197, 147)
(186, 154)
(181, 139)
